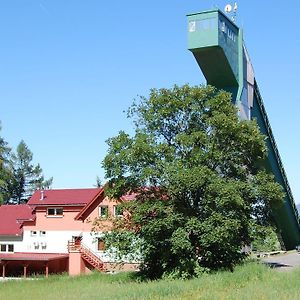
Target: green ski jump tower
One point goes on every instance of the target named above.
(218, 47)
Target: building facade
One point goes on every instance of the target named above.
(54, 232)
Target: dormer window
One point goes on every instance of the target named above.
(55, 212)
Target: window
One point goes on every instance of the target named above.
(55, 212)
(42, 233)
(103, 211)
(118, 211)
(192, 26)
(33, 233)
(202, 25)
(101, 245)
(6, 248)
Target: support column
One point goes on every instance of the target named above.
(76, 265)
(25, 270)
(3, 269)
(46, 269)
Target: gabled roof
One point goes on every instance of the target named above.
(91, 205)
(63, 197)
(12, 217)
(96, 201)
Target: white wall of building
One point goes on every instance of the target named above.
(46, 242)
(54, 241)
(57, 242)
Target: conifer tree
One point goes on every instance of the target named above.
(26, 177)
(5, 174)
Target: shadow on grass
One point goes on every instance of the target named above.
(276, 265)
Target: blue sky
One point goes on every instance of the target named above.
(69, 70)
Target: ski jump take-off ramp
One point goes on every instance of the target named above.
(218, 47)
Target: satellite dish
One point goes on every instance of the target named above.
(235, 6)
(228, 8)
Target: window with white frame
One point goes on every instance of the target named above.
(103, 211)
(118, 211)
(6, 248)
(55, 212)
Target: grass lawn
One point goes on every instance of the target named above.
(250, 281)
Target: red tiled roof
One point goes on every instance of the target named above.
(11, 217)
(64, 197)
(32, 256)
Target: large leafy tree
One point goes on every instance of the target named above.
(196, 171)
(26, 177)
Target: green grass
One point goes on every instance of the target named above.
(250, 281)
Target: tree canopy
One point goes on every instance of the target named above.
(196, 170)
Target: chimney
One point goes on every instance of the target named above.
(42, 195)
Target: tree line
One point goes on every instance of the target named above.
(19, 176)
